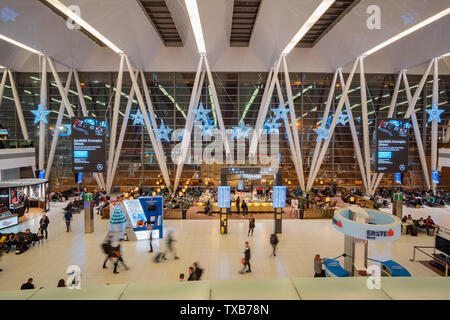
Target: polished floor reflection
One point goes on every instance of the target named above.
(197, 240)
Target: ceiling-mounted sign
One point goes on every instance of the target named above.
(88, 144)
(392, 137)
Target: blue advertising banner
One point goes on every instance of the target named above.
(279, 197)
(223, 197)
(398, 178)
(435, 176)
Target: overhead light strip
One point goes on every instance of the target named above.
(194, 17)
(72, 15)
(320, 10)
(408, 31)
(21, 45)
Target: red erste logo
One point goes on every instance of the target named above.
(390, 233)
(339, 224)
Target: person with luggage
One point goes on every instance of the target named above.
(273, 242)
(43, 223)
(107, 250)
(246, 259)
(116, 253)
(251, 225)
(430, 225)
(68, 219)
(410, 227)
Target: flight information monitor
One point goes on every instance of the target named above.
(435, 176)
(223, 197)
(392, 146)
(279, 197)
(88, 144)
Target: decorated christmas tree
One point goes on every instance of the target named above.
(118, 217)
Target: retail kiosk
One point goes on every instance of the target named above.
(361, 225)
(144, 215)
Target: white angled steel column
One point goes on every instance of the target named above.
(416, 128)
(324, 120)
(377, 178)
(356, 145)
(115, 116)
(80, 94)
(263, 112)
(293, 127)
(333, 125)
(18, 107)
(434, 123)
(123, 129)
(59, 119)
(365, 121)
(297, 163)
(62, 93)
(218, 110)
(161, 161)
(188, 126)
(2, 85)
(43, 102)
(418, 90)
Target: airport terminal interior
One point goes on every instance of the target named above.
(224, 149)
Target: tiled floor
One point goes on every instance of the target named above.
(198, 240)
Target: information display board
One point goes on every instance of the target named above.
(240, 185)
(398, 178)
(223, 197)
(392, 146)
(88, 144)
(435, 176)
(279, 197)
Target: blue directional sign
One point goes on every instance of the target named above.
(223, 197)
(279, 197)
(435, 176)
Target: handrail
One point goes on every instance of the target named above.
(419, 248)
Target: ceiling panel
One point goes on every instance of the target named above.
(243, 21)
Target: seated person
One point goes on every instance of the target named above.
(104, 204)
(421, 224)
(430, 224)
(13, 240)
(409, 224)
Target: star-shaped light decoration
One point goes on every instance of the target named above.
(281, 112)
(40, 114)
(322, 133)
(271, 126)
(8, 14)
(162, 133)
(201, 114)
(138, 118)
(434, 113)
(241, 130)
(208, 127)
(341, 119)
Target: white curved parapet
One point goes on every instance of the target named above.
(381, 226)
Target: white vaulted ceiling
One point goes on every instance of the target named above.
(125, 24)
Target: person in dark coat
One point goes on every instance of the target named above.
(198, 271)
(274, 241)
(28, 285)
(192, 276)
(43, 223)
(251, 225)
(246, 258)
(26, 204)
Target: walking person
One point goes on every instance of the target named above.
(318, 270)
(251, 225)
(26, 203)
(198, 271)
(150, 227)
(43, 223)
(107, 250)
(68, 218)
(170, 246)
(246, 258)
(238, 205)
(184, 208)
(118, 255)
(244, 208)
(274, 241)
(192, 276)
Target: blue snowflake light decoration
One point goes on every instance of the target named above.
(201, 114)
(208, 127)
(138, 118)
(162, 133)
(281, 112)
(341, 119)
(40, 114)
(322, 133)
(241, 131)
(271, 126)
(434, 113)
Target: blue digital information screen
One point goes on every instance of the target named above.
(398, 178)
(41, 174)
(279, 197)
(223, 197)
(435, 176)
